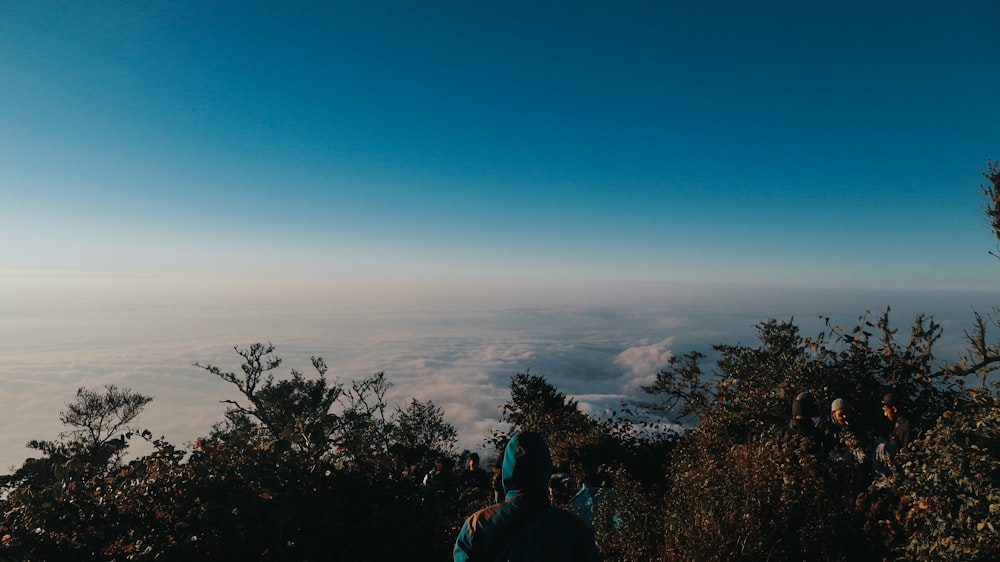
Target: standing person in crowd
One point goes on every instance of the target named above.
(525, 527)
(895, 439)
(811, 405)
(847, 438)
(474, 484)
(593, 489)
(845, 430)
(472, 475)
(440, 481)
(901, 430)
(562, 487)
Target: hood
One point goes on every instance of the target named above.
(802, 426)
(527, 465)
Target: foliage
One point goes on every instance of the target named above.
(991, 191)
(621, 453)
(738, 493)
(753, 387)
(93, 447)
(53, 506)
(762, 500)
(950, 498)
(629, 521)
(299, 470)
(101, 417)
(421, 434)
(951, 487)
(296, 409)
(536, 405)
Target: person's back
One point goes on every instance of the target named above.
(524, 527)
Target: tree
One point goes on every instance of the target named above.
(292, 408)
(536, 405)
(992, 192)
(314, 417)
(730, 474)
(307, 464)
(101, 419)
(53, 507)
(420, 434)
(951, 487)
(95, 444)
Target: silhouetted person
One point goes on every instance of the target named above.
(811, 405)
(474, 484)
(497, 482)
(901, 430)
(440, 481)
(473, 476)
(803, 424)
(524, 527)
(562, 487)
(897, 438)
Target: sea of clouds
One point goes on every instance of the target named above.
(460, 357)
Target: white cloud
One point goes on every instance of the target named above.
(646, 360)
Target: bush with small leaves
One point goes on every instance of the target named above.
(950, 490)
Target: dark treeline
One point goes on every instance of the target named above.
(303, 467)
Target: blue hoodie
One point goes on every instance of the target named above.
(524, 527)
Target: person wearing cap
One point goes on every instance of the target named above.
(843, 416)
(847, 444)
(524, 527)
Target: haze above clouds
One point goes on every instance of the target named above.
(461, 357)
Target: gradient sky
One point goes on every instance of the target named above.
(181, 177)
(777, 142)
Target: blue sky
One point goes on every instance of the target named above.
(197, 175)
(811, 143)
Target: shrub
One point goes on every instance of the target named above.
(762, 500)
(951, 487)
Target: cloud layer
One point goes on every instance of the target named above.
(460, 358)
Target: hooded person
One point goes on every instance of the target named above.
(802, 425)
(804, 409)
(524, 527)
